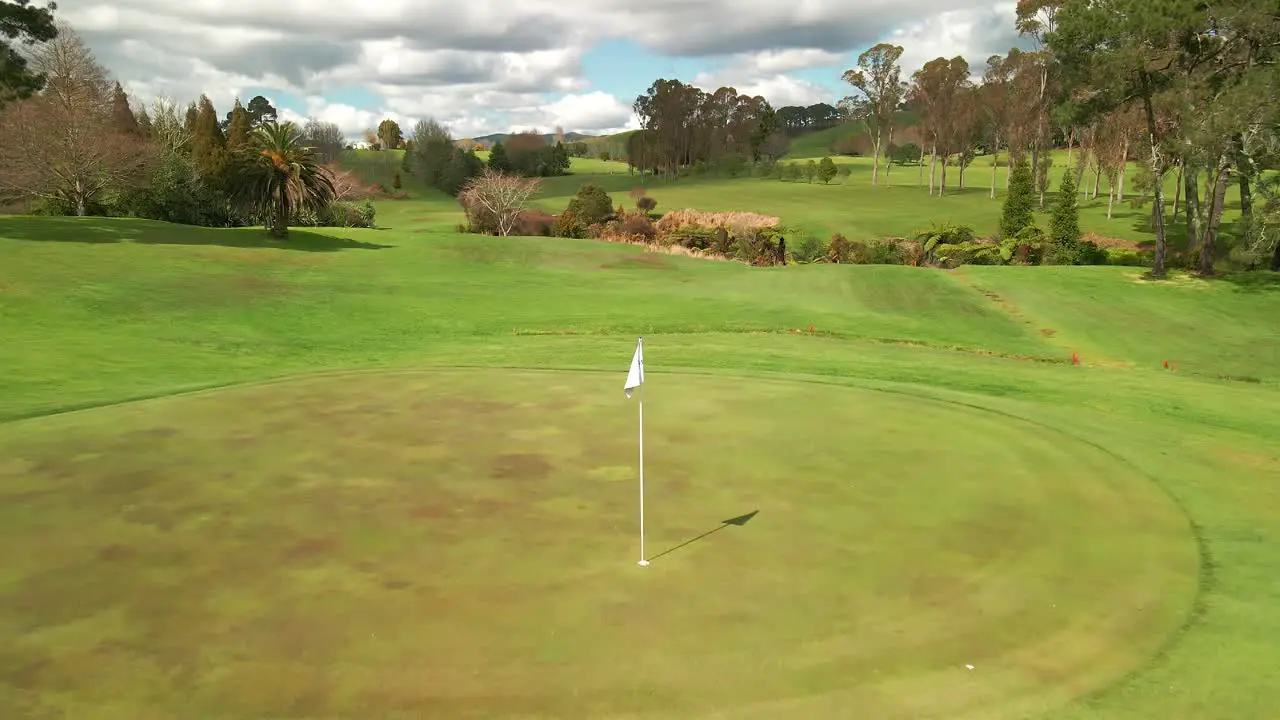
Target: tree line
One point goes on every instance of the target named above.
(73, 145)
(1186, 89)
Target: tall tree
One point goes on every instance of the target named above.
(943, 88)
(239, 126)
(498, 160)
(24, 25)
(121, 113)
(261, 111)
(389, 134)
(327, 139)
(208, 144)
(1038, 19)
(276, 176)
(1114, 52)
(879, 78)
(995, 100)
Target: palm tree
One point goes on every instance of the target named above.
(276, 176)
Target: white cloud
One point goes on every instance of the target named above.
(492, 65)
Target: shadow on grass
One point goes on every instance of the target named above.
(738, 521)
(97, 231)
(1254, 281)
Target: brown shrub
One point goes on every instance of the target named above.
(637, 226)
(679, 218)
(534, 223)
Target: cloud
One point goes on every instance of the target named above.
(491, 65)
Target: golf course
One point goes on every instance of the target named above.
(391, 473)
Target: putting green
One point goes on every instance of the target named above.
(463, 544)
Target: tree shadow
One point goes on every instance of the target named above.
(738, 521)
(1253, 281)
(99, 230)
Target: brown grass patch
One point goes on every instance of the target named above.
(311, 548)
(1105, 242)
(686, 252)
(521, 466)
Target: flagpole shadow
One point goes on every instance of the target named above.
(738, 521)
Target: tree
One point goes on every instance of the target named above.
(1116, 52)
(239, 125)
(121, 114)
(25, 25)
(494, 199)
(942, 88)
(810, 170)
(498, 158)
(326, 138)
(827, 170)
(994, 98)
(389, 134)
(65, 145)
(277, 175)
(1064, 223)
(208, 144)
(432, 151)
(878, 77)
(260, 111)
(590, 205)
(1038, 19)
(144, 123)
(1020, 202)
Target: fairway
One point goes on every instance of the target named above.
(462, 543)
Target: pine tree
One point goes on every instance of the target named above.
(1020, 203)
(559, 164)
(144, 123)
(238, 127)
(498, 159)
(208, 145)
(121, 113)
(1064, 225)
(189, 123)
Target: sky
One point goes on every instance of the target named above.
(483, 66)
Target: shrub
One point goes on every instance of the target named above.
(1126, 257)
(569, 225)
(590, 205)
(395, 182)
(827, 170)
(912, 252)
(534, 223)
(886, 252)
(346, 214)
(646, 204)
(944, 234)
(637, 226)
(839, 249)
(810, 249)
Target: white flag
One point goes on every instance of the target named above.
(636, 375)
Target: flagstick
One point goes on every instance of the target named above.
(640, 404)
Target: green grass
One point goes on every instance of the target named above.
(432, 512)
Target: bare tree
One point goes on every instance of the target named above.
(63, 144)
(879, 78)
(495, 199)
(326, 138)
(346, 186)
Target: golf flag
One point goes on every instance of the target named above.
(636, 375)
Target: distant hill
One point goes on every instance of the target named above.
(489, 140)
